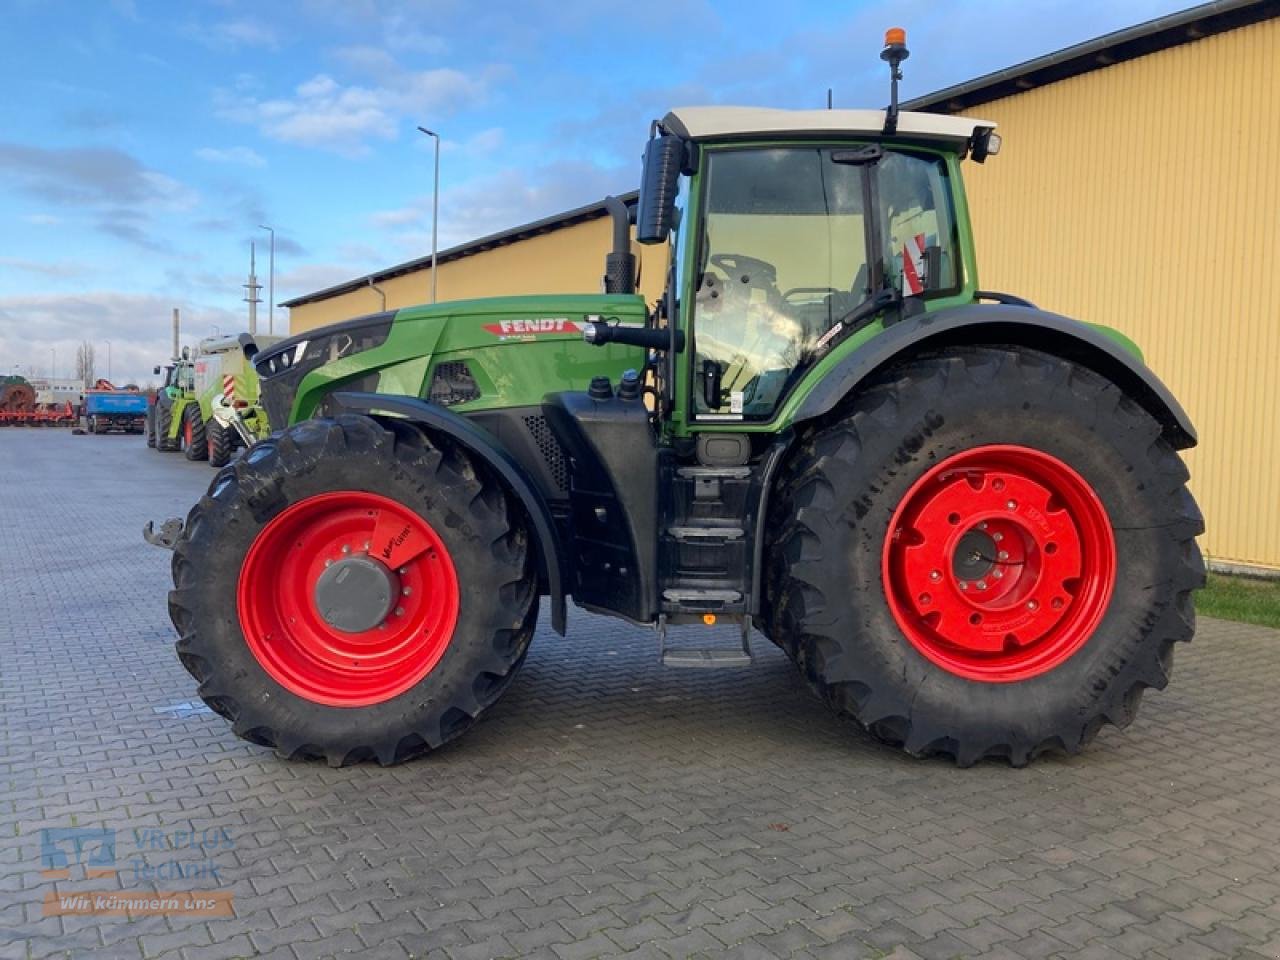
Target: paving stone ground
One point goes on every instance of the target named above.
(605, 807)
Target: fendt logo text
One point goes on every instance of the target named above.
(530, 328)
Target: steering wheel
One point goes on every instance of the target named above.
(750, 270)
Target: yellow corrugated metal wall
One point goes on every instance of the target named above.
(1146, 196)
(568, 260)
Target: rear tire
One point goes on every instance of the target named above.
(284, 697)
(836, 587)
(194, 444)
(220, 442)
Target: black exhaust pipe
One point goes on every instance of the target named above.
(619, 263)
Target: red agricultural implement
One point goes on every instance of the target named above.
(18, 408)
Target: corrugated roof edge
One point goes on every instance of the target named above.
(592, 211)
(1130, 43)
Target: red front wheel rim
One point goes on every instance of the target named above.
(999, 563)
(296, 642)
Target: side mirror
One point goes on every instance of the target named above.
(655, 214)
(186, 353)
(157, 369)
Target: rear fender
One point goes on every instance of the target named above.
(481, 444)
(1016, 325)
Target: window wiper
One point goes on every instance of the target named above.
(884, 298)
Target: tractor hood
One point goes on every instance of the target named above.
(515, 349)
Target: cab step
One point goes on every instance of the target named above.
(709, 657)
(711, 599)
(705, 657)
(702, 534)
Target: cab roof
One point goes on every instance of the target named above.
(727, 123)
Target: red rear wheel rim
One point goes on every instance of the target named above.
(186, 431)
(999, 563)
(284, 628)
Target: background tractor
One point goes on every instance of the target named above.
(965, 519)
(165, 415)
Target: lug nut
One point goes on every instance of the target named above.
(997, 537)
(345, 548)
(997, 574)
(1003, 555)
(1032, 605)
(1012, 504)
(328, 563)
(964, 584)
(982, 525)
(935, 575)
(982, 584)
(399, 611)
(407, 590)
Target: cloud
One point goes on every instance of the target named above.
(499, 201)
(311, 277)
(61, 269)
(478, 145)
(327, 114)
(93, 119)
(116, 189)
(42, 219)
(80, 176)
(242, 32)
(288, 247)
(138, 326)
(242, 156)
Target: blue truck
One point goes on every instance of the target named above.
(107, 410)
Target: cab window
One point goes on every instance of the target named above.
(784, 258)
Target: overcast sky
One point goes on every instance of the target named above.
(142, 143)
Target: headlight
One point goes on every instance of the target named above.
(282, 367)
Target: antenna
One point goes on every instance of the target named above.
(828, 98)
(894, 52)
(254, 288)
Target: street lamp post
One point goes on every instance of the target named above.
(435, 209)
(108, 359)
(271, 281)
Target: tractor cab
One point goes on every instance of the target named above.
(793, 231)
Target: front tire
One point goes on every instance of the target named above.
(220, 442)
(164, 423)
(903, 608)
(259, 628)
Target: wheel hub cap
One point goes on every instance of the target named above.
(999, 563)
(355, 594)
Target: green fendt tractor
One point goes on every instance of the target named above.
(965, 519)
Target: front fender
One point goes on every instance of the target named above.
(483, 445)
(1011, 324)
